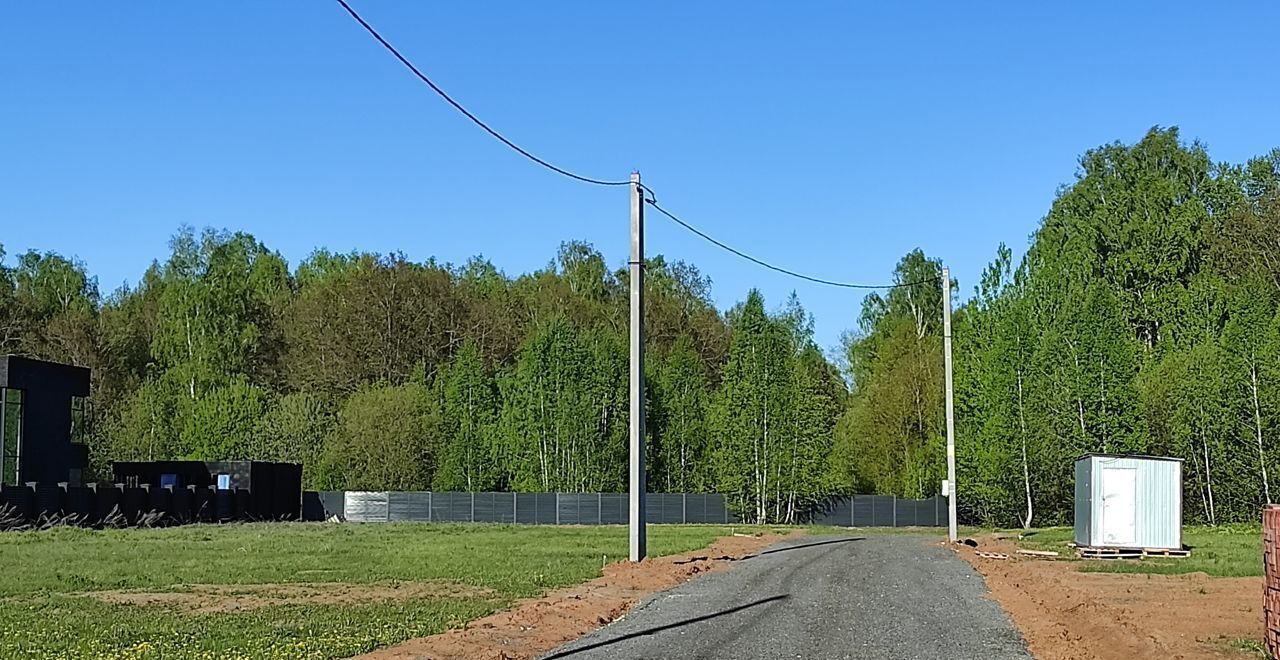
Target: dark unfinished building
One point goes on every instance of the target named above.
(43, 462)
(41, 421)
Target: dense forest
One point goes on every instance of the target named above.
(1143, 318)
(376, 372)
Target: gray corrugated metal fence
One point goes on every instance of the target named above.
(601, 508)
(882, 511)
(528, 508)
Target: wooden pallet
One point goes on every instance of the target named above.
(1094, 552)
(1089, 552)
(1165, 552)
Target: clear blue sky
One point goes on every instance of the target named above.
(831, 137)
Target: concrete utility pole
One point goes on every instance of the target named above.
(637, 499)
(951, 411)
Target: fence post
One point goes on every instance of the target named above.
(1271, 572)
(557, 508)
(515, 517)
(473, 506)
(599, 515)
(895, 510)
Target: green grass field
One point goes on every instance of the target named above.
(1223, 551)
(468, 571)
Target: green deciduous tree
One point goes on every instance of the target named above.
(293, 430)
(677, 424)
(385, 438)
(222, 424)
(564, 411)
(893, 426)
(216, 319)
(469, 408)
(367, 318)
(771, 419)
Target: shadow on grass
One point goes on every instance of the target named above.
(652, 631)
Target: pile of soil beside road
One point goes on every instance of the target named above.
(538, 625)
(1066, 614)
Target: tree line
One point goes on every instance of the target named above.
(376, 372)
(1143, 319)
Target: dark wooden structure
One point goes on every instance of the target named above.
(274, 490)
(41, 440)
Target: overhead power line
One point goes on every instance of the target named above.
(436, 88)
(651, 200)
(784, 271)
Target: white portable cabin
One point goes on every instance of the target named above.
(1128, 502)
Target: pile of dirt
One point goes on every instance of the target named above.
(215, 598)
(538, 625)
(1066, 614)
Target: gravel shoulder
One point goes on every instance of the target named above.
(820, 596)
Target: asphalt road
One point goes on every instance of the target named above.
(886, 596)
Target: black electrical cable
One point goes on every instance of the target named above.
(792, 273)
(421, 76)
(651, 200)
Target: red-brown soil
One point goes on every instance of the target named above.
(1067, 615)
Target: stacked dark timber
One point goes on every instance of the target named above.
(1271, 563)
